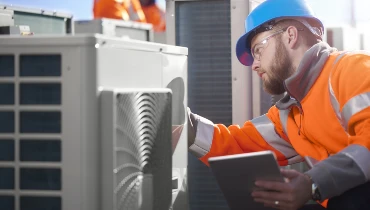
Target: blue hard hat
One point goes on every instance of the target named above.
(268, 11)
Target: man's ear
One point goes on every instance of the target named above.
(291, 37)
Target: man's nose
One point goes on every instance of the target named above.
(255, 65)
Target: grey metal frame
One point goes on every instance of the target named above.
(67, 17)
(88, 62)
(106, 26)
(245, 85)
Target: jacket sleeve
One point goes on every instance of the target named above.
(349, 89)
(262, 133)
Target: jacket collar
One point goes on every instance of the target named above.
(307, 72)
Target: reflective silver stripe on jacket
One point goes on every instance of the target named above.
(333, 179)
(134, 16)
(267, 130)
(352, 107)
(355, 105)
(283, 114)
(335, 104)
(203, 138)
(333, 99)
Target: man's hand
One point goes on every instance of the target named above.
(291, 195)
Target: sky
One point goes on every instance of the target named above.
(333, 12)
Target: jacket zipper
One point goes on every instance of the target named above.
(300, 117)
(299, 106)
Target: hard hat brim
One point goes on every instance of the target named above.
(242, 53)
(276, 9)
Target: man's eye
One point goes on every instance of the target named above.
(257, 50)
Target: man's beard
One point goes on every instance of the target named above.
(280, 69)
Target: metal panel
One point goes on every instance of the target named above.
(220, 88)
(40, 24)
(6, 18)
(175, 77)
(118, 28)
(41, 21)
(343, 37)
(242, 91)
(87, 63)
(70, 145)
(204, 27)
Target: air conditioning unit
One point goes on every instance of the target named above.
(6, 18)
(365, 40)
(49, 116)
(115, 28)
(40, 21)
(220, 88)
(343, 37)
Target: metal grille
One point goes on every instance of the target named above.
(143, 151)
(204, 27)
(30, 171)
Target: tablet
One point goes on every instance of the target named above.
(236, 175)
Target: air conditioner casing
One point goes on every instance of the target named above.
(40, 21)
(115, 28)
(343, 37)
(220, 88)
(79, 65)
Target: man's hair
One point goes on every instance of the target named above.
(306, 36)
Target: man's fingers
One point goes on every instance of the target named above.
(273, 204)
(274, 186)
(275, 196)
(290, 174)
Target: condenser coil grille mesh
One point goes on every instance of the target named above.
(143, 150)
(205, 28)
(30, 109)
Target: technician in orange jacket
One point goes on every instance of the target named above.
(325, 113)
(129, 10)
(154, 15)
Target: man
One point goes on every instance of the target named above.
(325, 114)
(129, 10)
(154, 15)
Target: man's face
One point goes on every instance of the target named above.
(271, 61)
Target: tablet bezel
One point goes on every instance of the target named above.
(237, 183)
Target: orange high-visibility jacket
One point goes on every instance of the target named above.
(155, 16)
(122, 9)
(325, 115)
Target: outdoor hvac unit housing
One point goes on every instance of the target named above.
(40, 21)
(220, 88)
(61, 145)
(117, 28)
(343, 38)
(365, 40)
